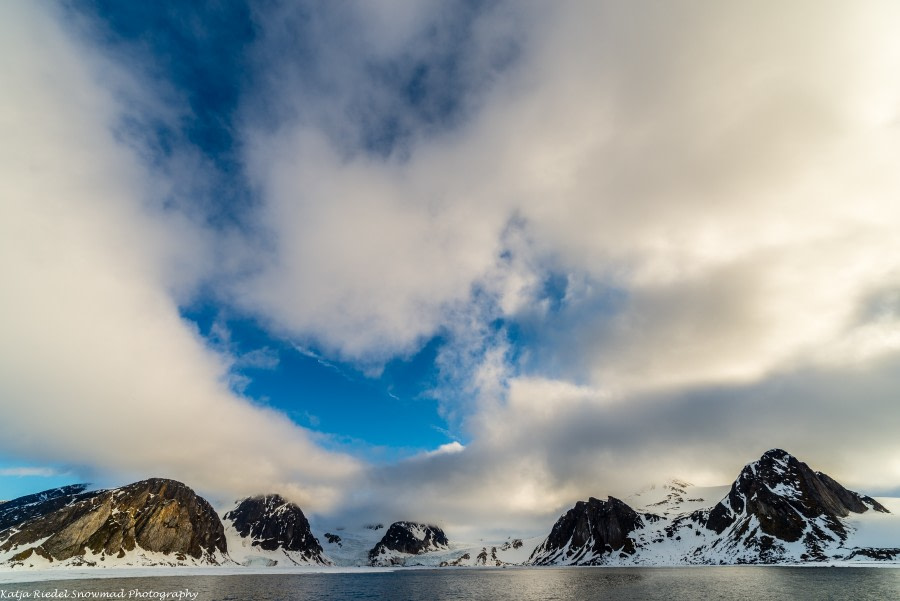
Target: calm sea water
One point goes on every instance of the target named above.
(738, 583)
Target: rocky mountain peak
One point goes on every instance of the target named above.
(155, 515)
(589, 532)
(780, 498)
(407, 538)
(272, 523)
(29, 507)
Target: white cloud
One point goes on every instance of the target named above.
(449, 448)
(718, 185)
(715, 183)
(41, 472)
(98, 367)
(737, 187)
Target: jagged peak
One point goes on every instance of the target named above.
(773, 466)
(411, 524)
(157, 483)
(774, 459)
(610, 500)
(776, 454)
(407, 538)
(269, 500)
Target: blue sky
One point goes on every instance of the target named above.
(384, 416)
(489, 256)
(205, 52)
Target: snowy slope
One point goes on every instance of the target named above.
(242, 551)
(354, 545)
(675, 497)
(268, 530)
(777, 511)
(509, 552)
(356, 541)
(137, 558)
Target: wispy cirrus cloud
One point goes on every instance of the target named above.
(40, 472)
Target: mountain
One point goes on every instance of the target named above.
(588, 532)
(779, 500)
(404, 539)
(493, 556)
(778, 510)
(28, 507)
(151, 522)
(270, 529)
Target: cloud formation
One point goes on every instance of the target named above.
(43, 472)
(715, 187)
(719, 182)
(650, 235)
(99, 370)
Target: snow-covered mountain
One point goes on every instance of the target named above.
(267, 530)
(777, 511)
(511, 552)
(348, 545)
(405, 539)
(589, 532)
(152, 522)
(32, 506)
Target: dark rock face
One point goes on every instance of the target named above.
(879, 554)
(333, 539)
(273, 523)
(456, 562)
(25, 508)
(788, 501)
(154, 515)
(589, 532)
(515, 543)
(488, 558)
(409, 538)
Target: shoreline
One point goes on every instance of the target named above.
(18, 577)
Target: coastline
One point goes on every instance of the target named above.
(20, 576)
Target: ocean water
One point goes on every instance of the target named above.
(556, 584)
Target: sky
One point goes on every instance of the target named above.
(466, 262)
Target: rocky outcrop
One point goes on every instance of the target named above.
(515, 543)
(589, 533)
(454, 563)
(878, 554)
(156, 515)
(272, 523)
(779, 499)
(404, 539)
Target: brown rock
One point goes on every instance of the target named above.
(155, 515)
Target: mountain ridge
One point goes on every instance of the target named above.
(778, 510)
